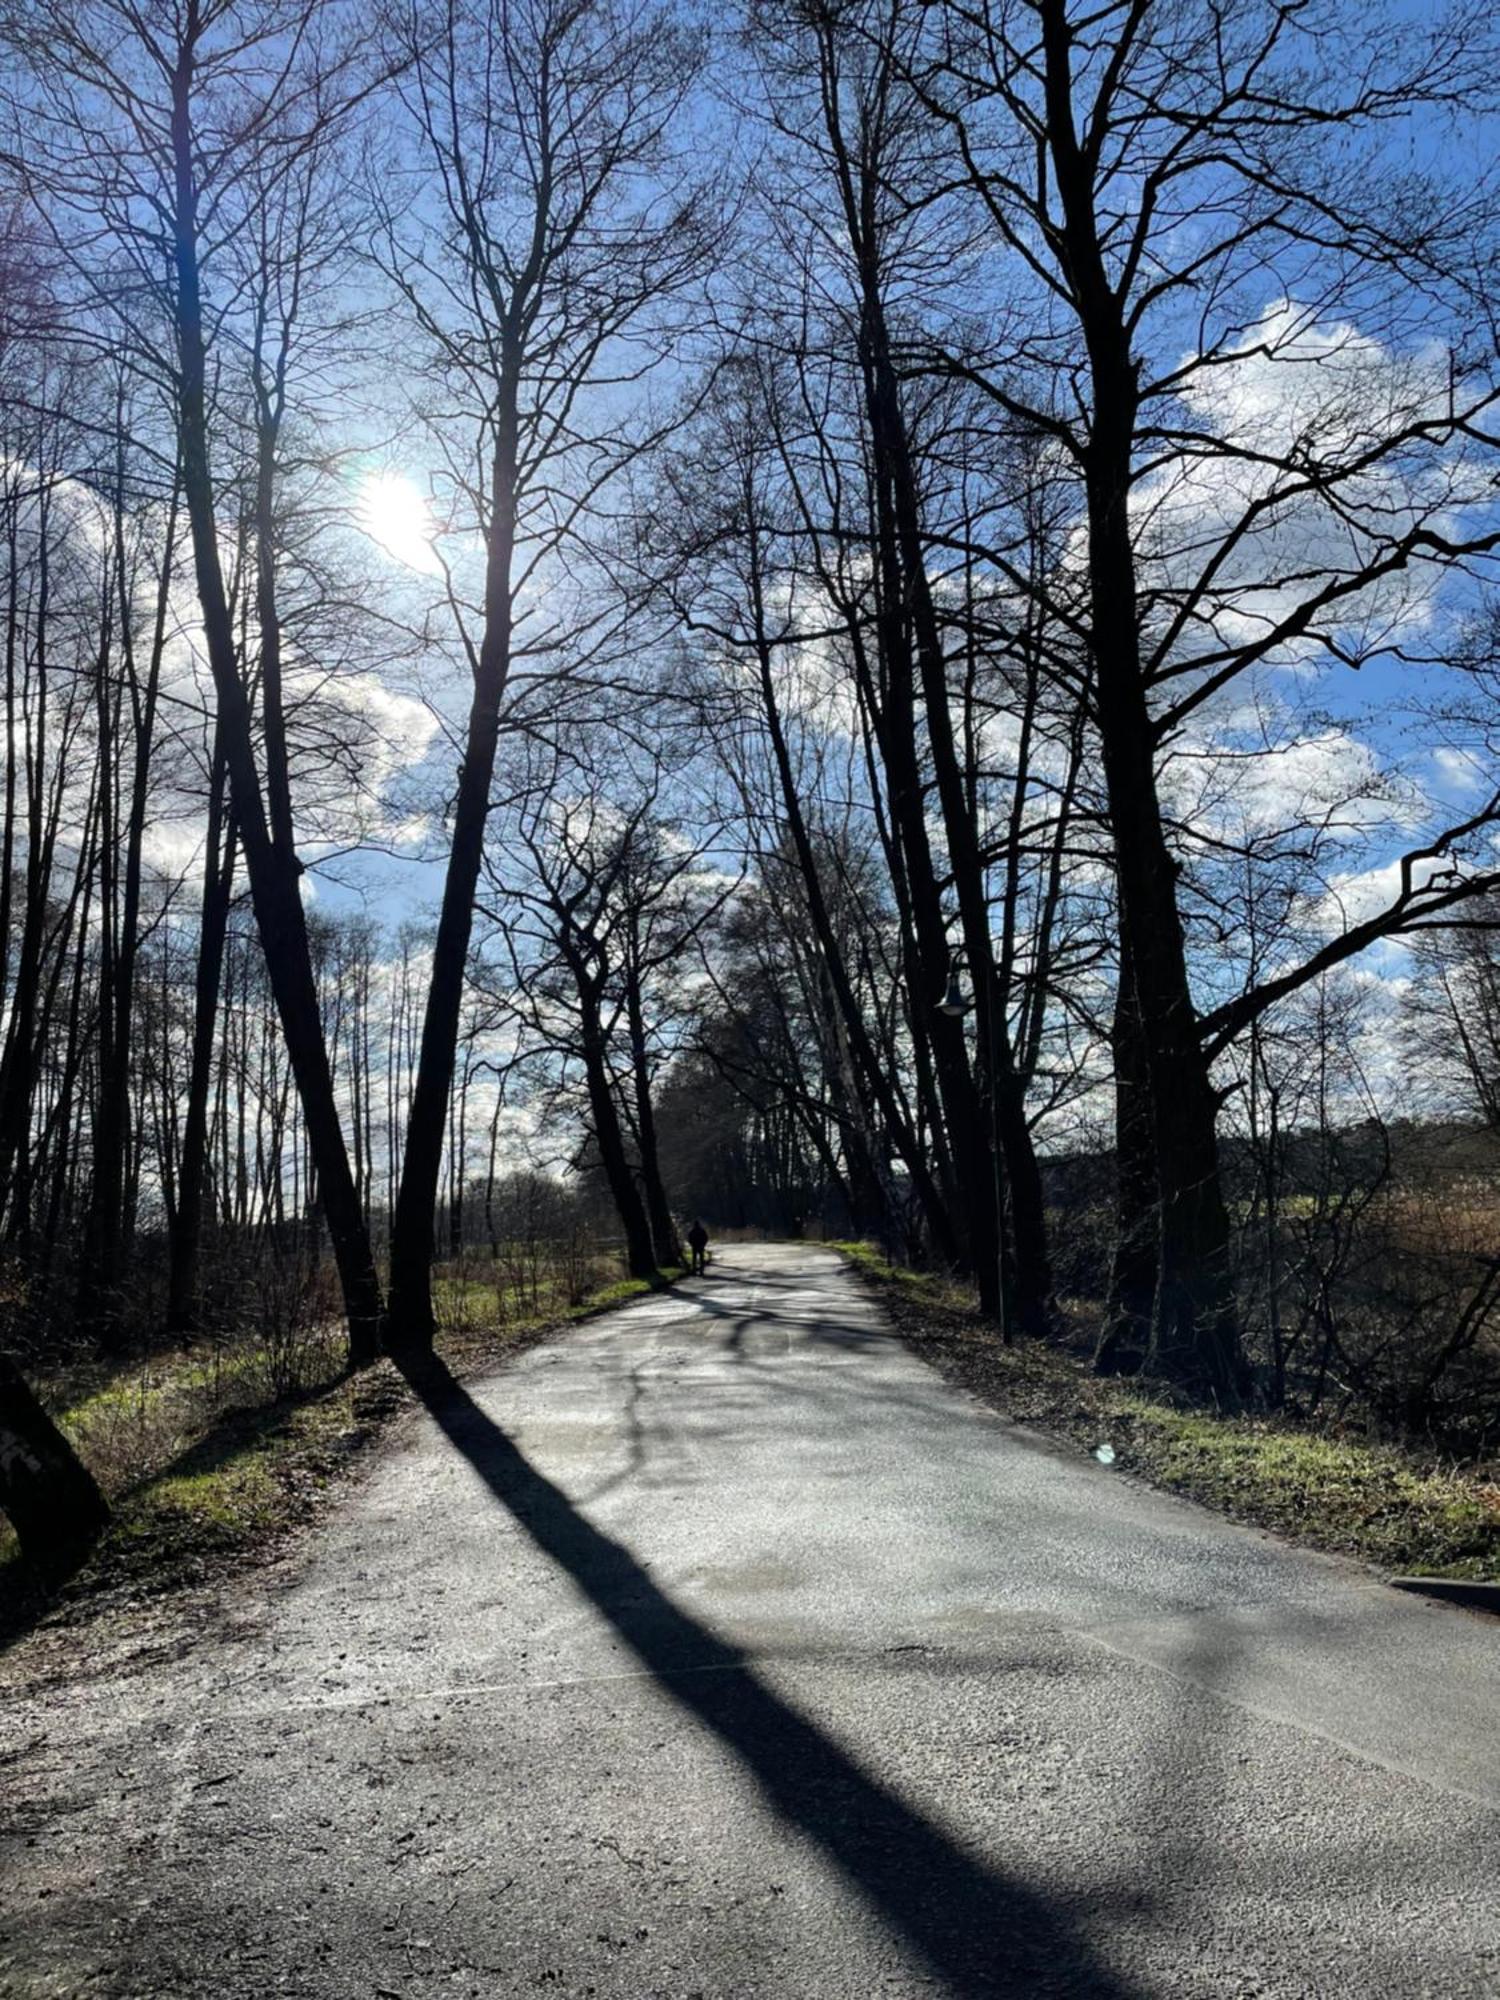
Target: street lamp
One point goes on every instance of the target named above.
(953, 1003)
(955, 1006)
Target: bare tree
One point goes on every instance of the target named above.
(600, 902)
(1176, 196)
(548, 131)
(166, 138)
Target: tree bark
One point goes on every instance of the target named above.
(985, 1129)
(18, 1060)
(46, 1491)
(184, 1284)
(1195, 1336)
(105, 1245)
(870, 1069)
(640, 1256)
(410, 1324)
(1126, 1333)
(272, 867)
(1009, 1139)
(658, 1209)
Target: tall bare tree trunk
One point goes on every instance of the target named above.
(640, 1254)
(273, 868)
(1195, 1335)
(658, 1209)
(105, 1227)
(872, 1072)
(184, 1284)
(410, 1323)
(1126, 1334)
(1008, 1141)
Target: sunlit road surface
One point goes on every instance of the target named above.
(721, 1648)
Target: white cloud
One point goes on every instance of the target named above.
(1458, 772)
(1355, 896)
(1233, 518)
(174, 847)
(1247, 770)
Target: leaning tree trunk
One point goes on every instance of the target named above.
(46, 1490)
(410, 1322)
(272, 866)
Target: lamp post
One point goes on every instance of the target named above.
(955, 1006)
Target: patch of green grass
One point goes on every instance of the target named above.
(230, 1501)
(236, 1489)
(621, 1293)
(1352, 1495)
(516, 1291)
(241, 1486)
(152, 1409)
(199, 1462)
(471, 1332)
(934, 1286)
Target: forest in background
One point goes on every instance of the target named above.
(846, 618)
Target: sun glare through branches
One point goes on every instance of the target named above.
(393, 511)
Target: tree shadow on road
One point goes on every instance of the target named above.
(978, 1932)
(821, 1329)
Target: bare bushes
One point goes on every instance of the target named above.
(539, 1252)
(1368, 1250)
(293, 1301)
(1370, 1281)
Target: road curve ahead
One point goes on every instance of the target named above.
(723, 1649)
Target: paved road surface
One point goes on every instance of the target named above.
(723, 1649)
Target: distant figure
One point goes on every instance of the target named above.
(698, 1243)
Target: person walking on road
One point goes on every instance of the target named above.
(698, 1244)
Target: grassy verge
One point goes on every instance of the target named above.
(1344, 1493)
(208, 1461)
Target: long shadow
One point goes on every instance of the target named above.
(980, 1933)
(720, 1272)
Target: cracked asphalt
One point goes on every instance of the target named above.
(722, 1648)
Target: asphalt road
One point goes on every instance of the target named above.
(724, 1649)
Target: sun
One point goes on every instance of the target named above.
(392, 510)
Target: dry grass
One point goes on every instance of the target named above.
(140, 1417)
(207, 1455)
(1463, 1221)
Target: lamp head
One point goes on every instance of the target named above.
(953, 1002)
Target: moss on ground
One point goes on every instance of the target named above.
(1345, 1493)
